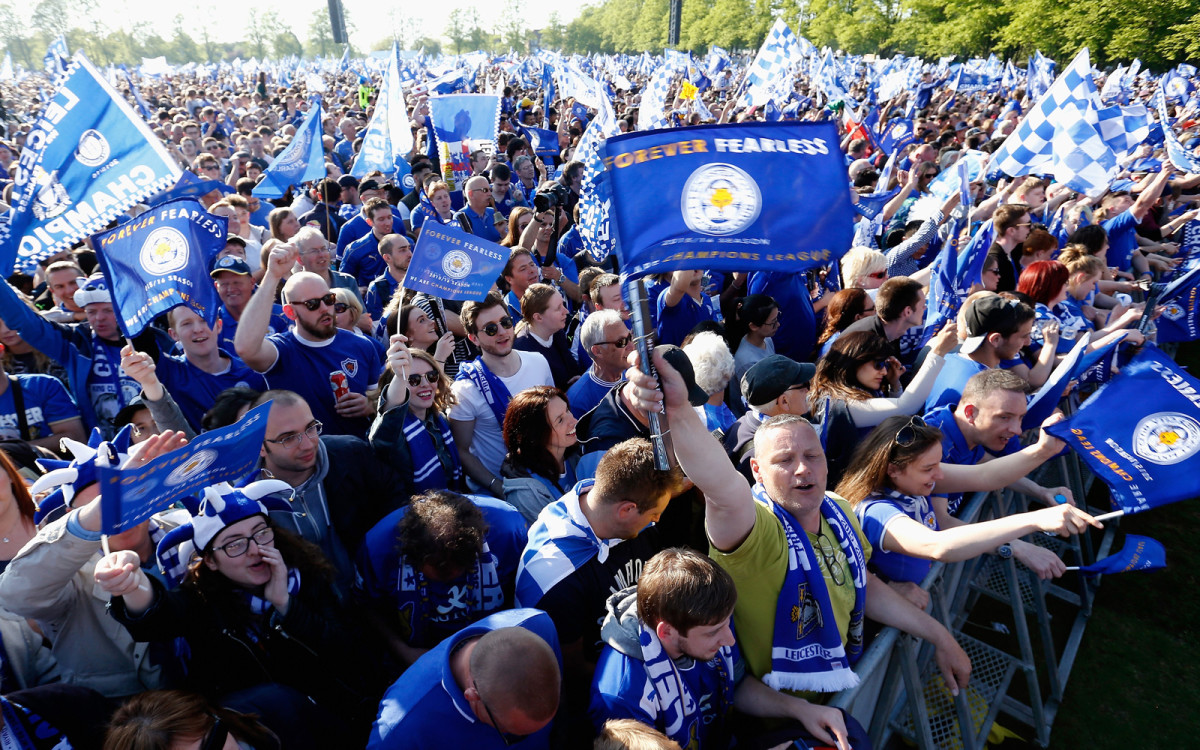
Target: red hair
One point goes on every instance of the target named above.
(1043, 279)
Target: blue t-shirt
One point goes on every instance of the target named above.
(484, 226)
(195, 390)
(796, 337)
(305, 367)
(278, 323)
(445, 608)
(1122, 239)
(362, 260)
(425, 708)
(947, 388)
(675, 323)
(954, 447)
(587, 392)
(878, 510)
(46, 402)
(622, 689)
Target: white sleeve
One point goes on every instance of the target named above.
(872, 411)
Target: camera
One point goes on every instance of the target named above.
(552, 195)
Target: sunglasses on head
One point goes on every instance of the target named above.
(907, 435)
(312, 305)
(414, 379)
(491, 329)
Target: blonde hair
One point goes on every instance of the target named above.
(859, 262)
(630, 734)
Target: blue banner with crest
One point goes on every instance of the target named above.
(450, 264)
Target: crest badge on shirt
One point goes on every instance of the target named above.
(350, 367)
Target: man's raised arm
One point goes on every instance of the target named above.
(250, 341)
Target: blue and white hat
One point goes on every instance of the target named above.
(92, 289)
(69, 477)
(223, 505)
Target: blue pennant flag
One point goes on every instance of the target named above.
(462, 124)
(543, 142)
(896, 135)
(1143, 455)
(943, 301)
(870, 205)
(548, 85)
(345, 61)
(302, 161)
(724, 197)
(57, 58)
(1139, 553)
(450, 264)
(143, 108)
(1180, 299)
(1045, 401)
(160, 260)
(971, 258)
(388, 138)
(130, 496)
(88, 158)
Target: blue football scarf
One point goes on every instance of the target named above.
(676, 705)
(28, 730)
(483, 595)
(428, 470)
(807, 652)
(261, 606)
(494, 391)
(560, 542)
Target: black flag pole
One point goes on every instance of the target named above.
(644, 337)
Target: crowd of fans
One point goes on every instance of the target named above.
(458, 534)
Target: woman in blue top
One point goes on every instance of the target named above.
(539, 429)
(890, 482)
(1050, 284)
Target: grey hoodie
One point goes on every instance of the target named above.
(621, 628)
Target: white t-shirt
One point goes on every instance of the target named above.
(488, 442)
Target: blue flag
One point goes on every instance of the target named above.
(970, 260)
(57, 58)
(303, 159)
(228, 454)
(388, 138)
(137, 98)
(189, 186)
(543, 142)
(1139, 553)
(1143, 456)
(450, 264)
(88, 158)
(462, 124)
(548, 85)
(725, 197)
(1043, 403)
(896, 135)
(1180, 300)
(160, 260)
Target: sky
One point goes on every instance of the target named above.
(374, 21)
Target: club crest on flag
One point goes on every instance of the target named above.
(93, 149)
(720, 199)
(1166, 437)
(350, 367)
(1174, 311)
(196, 464)
(164, 251)
(51, 198)
(456, 264)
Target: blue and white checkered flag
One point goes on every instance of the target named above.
(771, 70)
(1068, 134)
(1180, 157)
(650, 113)
(595, 201)
(57, 58)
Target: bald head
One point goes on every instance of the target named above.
(516, 671)
(479, 193)
(304, 285)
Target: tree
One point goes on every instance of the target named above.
(12, 34)
(511, 26)
(183, 47)
(320, 32)
(554, 34)
(258, 34)
(458, 28)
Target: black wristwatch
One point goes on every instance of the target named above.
(1004, 551)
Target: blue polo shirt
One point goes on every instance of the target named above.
(675, 323)
(425, 708)
(363, 261)
(195, 390)
(947, 388)
(483, 227)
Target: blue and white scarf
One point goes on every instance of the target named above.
(560, 542)
(494, 391)
(261, 606)
(480, 594)
(676, 706)
(807, 651)
(429, 471)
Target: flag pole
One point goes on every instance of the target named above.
(644, 338)
(1106, 516)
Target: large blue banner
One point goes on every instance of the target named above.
(388, 138)
(1148, 457)
(451, 264)
(462, 124)
(87, 158)
(303, 159)
(1180, 299)
(228, 454)
(753, 196)
(161, 260)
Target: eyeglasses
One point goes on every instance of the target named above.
(239, 547)
(312, 432)
(491, 329)
(507, 738)
(620, 343)
(432, 376)
(215, 739)
(829, 554)
(880, 364)
(312, 305)
(340, 307)
(772, 323)
(907, 435)
(314, 250)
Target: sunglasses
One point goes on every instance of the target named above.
(215, 739)
(880, 364)
(491, 329)
(312, 305)
(907, 435)
(620, 343)
(877, 275)
(340, 307)
(431, 377)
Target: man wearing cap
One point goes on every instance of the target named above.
(91, 352)
(362, 259)
(331, 368)
(351, 199)
(997, 329)
(231, 275)
(396, 251)
(479, 211)
(774, 385)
